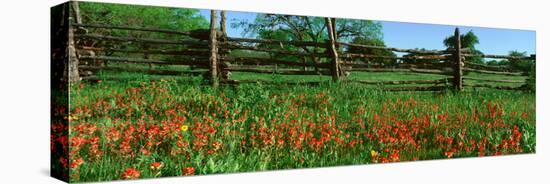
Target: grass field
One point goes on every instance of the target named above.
(142, 129)
(374, 76)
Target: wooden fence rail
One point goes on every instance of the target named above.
(531, 57)
(143, 40)
(144, 61)
(182, 52)
(132, 28)
(414, 51)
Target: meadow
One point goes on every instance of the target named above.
(144, 128)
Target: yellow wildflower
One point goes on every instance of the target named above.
(373, 153)
(73, 118)
(184, 128)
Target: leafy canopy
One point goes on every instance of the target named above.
(142, 16)
(179, 19)
(307, 28)
(468, 40)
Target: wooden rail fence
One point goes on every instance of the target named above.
(206, 52)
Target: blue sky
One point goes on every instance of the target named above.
(429, 36)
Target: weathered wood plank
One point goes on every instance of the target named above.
(167, 31)
(426, 57)
(531, 57)
(495, 72)
(256, 48)
(437, 66)
(278, 71)
(276, 42)
(414, 70)
(143, 40)
(415, 88)
(268, 61)
(496, 87)
(439, 81)
(189, 52)
(416, 51)
(236, 82)
(500, 68)
(493, 80)
(146, 61)
(116, 78)
(147, 71)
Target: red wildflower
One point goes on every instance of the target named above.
(75, 163)
(394, 156)
(188, 171)
(524, 115)
(449, 154)
(131, 173)
(217, 145)
(156, 165)
(76, 142)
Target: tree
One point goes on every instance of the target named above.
(180, 19)
(520, 64)
(468, 40)
(525, 65)
(410, 55)
(376, 52)
(305, 28)
(499, 62)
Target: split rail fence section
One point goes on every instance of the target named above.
(206, 52)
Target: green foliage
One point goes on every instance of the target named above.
(521, 64)
(532, 80)
(142, 16)
(369, 51)
(259, 116)
(248, 53)
(408, 60)
(305, 28)
(497, 62)
(524, 65)
(468, 40)
(281, 35)
(179, 19)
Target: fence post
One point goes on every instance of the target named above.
(337, 46)
(222, 21)
(458, 62)
(223, 50)
(335, 69)
(213, 50)
(73, 74)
